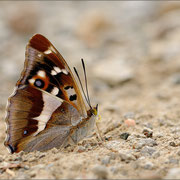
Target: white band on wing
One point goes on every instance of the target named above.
(50, 105)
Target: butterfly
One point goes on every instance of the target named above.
(47, 109)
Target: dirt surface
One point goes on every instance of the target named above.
(132, 53)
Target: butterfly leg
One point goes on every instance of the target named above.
(98, 131)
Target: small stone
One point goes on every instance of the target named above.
(130, 122)
(173, 173)
(145, 142)
(172, 144)
(101, 172)
(141, 158)
(147, 151)
(126, 156)
(80, 149)
(113, 145)
(148, 132)
(26, 167)
(106, 160)
(148, 165)
(124, 136)
(156, 155)
(108, 138)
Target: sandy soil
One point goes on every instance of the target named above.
(132, 53)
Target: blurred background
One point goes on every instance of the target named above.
(132, 54)
(131, 48)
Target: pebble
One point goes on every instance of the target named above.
(173, 173)
(80, 149)
(130, 122)
(148, 165)
(100, 171)
(172, 144)
(147, 151)
(113, 145)
(156, 155)
(145, 142)
(126, 156)
(148, 132)
(124, 136)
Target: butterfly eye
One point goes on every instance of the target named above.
(39, 83)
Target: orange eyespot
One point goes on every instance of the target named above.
(39, 82)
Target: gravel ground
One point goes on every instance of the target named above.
(132, 53)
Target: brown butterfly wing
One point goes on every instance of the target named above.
(58, 80)
(46, 102)
(37, 120)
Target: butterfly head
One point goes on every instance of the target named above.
(94, 111)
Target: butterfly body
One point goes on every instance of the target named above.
(46, 109)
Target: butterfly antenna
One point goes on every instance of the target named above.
(82, 87)
(84, 69)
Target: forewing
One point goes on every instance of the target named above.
(45, 68)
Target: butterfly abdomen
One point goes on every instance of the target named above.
(83, 129)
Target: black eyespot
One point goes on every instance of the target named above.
(25, 132)
(73, 97)
(39, 83)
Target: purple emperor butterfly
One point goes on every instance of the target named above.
(46, 109)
